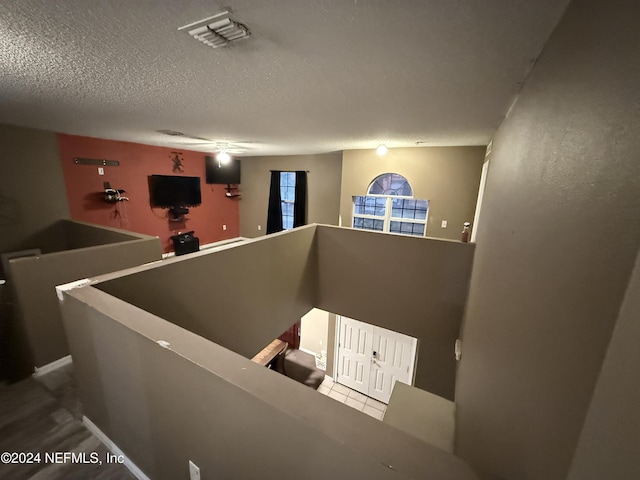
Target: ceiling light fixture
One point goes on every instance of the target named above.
(223, 157)
(381, 150)
(217, 31)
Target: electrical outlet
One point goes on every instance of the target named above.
(259, 227)
(443, 224)
(100, 171)
(224, 227)
(194, 471)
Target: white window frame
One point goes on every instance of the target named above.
(387, 218)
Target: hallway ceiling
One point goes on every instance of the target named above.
(315, 76)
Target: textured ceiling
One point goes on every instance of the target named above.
(315, 76)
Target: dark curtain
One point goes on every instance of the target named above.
(274, 213)
(300, 205)
(292, 335)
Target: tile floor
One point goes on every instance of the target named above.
(352, 398)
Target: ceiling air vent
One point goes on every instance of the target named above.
(217, 31)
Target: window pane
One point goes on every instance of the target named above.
(407, 228)
(369, 206)
(368, 224)
(390, 184)
(421, 209)
(287, 179)
(288, 193)
(409, 208)
(287, 197)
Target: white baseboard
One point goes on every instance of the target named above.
(50, 367)
(113, 448)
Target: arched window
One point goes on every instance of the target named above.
(390, 207)
(390, 184)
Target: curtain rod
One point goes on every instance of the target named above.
(290, 171)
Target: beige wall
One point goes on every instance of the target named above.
(33, 281)
(416, 286)
(610, 436)
(448, 177)
(199, 401)
(32, 197)
(247, 294)
(556, 246)
(323, 196)
(32, 191)
(82, 234)
(241, 297)
(314, 330)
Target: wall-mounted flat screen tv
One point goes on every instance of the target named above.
(168, 191)
(226, 174)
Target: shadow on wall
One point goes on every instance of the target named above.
(9, 211)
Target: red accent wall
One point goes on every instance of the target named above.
(86, 198)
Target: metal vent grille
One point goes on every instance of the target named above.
(217, 31)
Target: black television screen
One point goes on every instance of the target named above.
(227, 174)
(167, 191)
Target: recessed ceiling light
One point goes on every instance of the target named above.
(381, 150)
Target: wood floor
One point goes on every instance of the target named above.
(45, 416)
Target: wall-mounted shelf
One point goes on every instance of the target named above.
(232, 191)
(96, 161)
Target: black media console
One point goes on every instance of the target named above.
(184, 243)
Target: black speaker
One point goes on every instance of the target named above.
(185, 243)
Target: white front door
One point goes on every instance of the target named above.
(371, 359)
(392, 359)
(354, 355)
